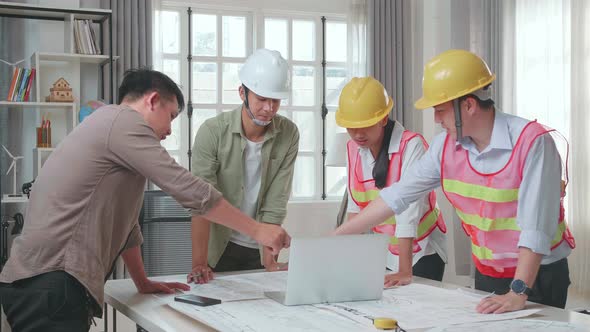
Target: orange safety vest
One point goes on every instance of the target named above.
(364, 191)
(487, 204)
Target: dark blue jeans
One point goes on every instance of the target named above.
(53, 301)
(238, 258)
(429, 267)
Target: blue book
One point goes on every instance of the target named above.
(23, 85)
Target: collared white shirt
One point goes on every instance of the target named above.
(407, 221)
(539, 193)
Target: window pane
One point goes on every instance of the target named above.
(234, 36)
(171, 68)
(205, 82)
(332, 128)
(170, 31)
(204, 35)
(303, 40)
(172, 142)
(336, 78)
(303, 86)
(304, 177)
(286, 113)
(199, 116)
(231, 83)
(336, 42)
(276, 35)
(335, 176)
(305, 123)
(336, 181)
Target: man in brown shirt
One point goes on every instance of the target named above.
(83, 210)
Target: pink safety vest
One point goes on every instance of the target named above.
(364, 191)
(487, 204)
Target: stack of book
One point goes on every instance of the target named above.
(85, 37)
(20, 86)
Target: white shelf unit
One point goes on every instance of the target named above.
(82, 71)
(74, 57)
(40, 155)
(34, 104)
(14, 9)
(14, 200)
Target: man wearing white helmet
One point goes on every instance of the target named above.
(249, 155)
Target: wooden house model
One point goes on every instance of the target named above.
(60, 92)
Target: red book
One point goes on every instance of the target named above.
(19, 77)
(12, 84)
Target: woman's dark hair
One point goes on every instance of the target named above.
(137, 82)
(381, 168)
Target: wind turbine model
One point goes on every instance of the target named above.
(13, 164)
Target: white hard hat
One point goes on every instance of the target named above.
(266, 74)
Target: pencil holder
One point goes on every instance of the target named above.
(43, 137)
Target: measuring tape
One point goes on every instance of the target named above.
(386, 324)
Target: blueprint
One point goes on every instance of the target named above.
(519, 325)
(407, 304)
(268, 316)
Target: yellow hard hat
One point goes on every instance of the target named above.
(452, 74)
(363, 102)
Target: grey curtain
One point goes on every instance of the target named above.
(476, 26)
(390, 37)
(396, 34)
(132, 37)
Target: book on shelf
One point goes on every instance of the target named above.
(85, 38)
(20, 85)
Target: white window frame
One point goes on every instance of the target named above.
(255, 38)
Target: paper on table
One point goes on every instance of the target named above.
(414, 306)
(269, 316)
(237, 287)
(420, 306)
(516, 325)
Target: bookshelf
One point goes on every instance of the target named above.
(34, 104)
(80, 70)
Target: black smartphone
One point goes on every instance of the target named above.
(197, 300)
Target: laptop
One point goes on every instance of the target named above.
(334, 269)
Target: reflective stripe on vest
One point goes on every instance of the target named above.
(487, 204)
(365, 191)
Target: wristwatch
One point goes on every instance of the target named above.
(520, 287)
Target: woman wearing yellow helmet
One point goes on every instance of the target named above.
(379, 151)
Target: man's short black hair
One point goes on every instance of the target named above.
(137, 82)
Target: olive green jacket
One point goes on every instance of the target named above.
(218, 153)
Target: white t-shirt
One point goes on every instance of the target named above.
(406, 222)
(252, 164)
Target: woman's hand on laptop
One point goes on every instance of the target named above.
(201, 274)
(398, 279)
(272, 236)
